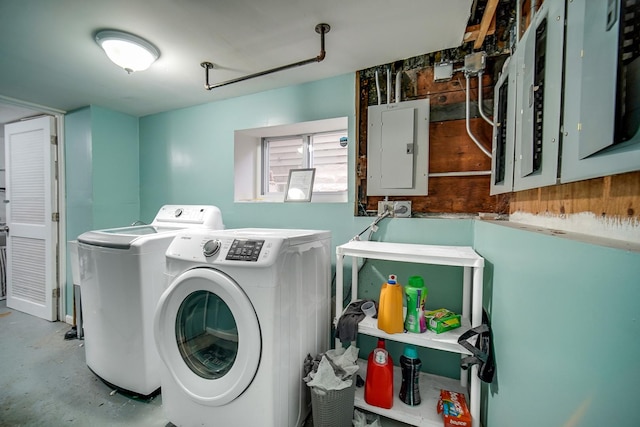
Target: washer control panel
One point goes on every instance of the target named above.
(245, 250)
(189, 216)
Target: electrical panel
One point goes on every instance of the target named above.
(539, 58)
(602, 89)
(398, 149)
(504, 119)
(577, 84)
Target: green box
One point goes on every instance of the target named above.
(442, 320)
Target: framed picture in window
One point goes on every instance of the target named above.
(300, 185)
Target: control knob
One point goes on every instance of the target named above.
(211, 247)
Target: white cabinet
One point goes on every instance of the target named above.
(424, 414)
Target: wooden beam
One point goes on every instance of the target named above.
(487, 17)
(473, 31)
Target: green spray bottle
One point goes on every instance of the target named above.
(416, 294)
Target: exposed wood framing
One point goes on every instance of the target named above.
(487, 18)
(451, 150)
(610, 196)
(473, 32)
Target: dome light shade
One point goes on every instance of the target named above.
(127, 50)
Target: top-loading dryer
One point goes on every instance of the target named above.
(122, 278)
(242, 310)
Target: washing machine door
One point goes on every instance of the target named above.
(208, 336)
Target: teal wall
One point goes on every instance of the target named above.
(102, 165)
(116, 164)
(566, 332)
(563, 312)
(187, 154)
(101, 174)
(78, 172)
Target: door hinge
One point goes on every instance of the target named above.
(54, 139)
(55, 217)
(55, 293)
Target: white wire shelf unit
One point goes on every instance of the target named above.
(425, 414)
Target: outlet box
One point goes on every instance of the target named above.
(474, 63)
(442, 71)
(402, 209)
(397, 209)
(384, 206)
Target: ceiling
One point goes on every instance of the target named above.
(50, 59)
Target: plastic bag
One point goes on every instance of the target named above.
(360, 420)
(482, 351)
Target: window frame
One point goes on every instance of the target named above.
(307, 141)
(249, 166)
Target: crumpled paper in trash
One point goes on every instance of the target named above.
(335, 370)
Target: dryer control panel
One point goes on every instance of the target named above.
(253, 248)
(245, 250)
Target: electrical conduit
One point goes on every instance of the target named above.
(473, 138)
(480, 106)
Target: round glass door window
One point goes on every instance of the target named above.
(207, 334)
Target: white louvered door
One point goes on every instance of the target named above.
(32, 238)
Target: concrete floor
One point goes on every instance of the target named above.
(44, 381)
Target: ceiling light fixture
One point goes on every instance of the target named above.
(127, 50)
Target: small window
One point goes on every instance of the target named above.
(264, 156)
(326, 152)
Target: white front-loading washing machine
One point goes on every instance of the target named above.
(242, 310)
(121, 280)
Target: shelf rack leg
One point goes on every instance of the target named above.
(466, 314)
(339, 292)
(466, 294)
(476, 311)
(474, 396)
(354, 278)
(476, 320)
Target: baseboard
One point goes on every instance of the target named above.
(68, 319)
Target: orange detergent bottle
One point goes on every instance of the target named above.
(378, 386)
(390, 318)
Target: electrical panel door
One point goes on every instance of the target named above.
(602, 89)
(398, 149)
(504, 124)
(397, 139)
(539, 92)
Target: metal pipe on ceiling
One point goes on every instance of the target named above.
(321, 29)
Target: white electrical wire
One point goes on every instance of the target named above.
(373, 226)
